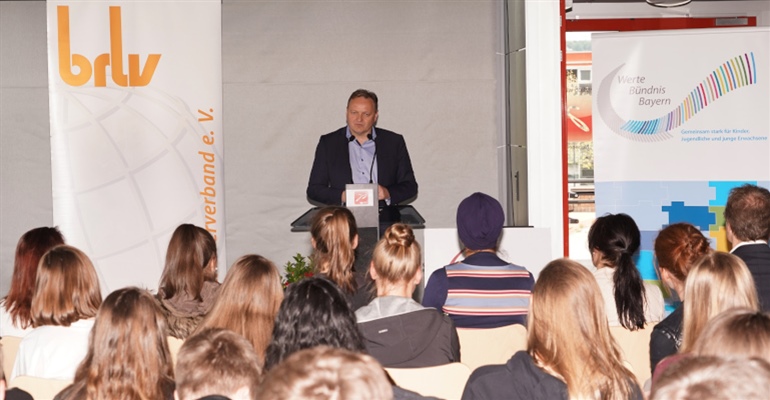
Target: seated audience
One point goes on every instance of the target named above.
(10, 394)
(630, 302)
(747, 222)
(717, 282)
(570, 352)
(217, 362)
(677, 248)
(334, 236)
(735, 333)
(398, 331)
(248, 302)
(714, 378)
(128, 355)
(66, 299)
(188, 286)
(15, 317)
(483, 290)
(324, 372)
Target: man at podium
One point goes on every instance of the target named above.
(359, 153)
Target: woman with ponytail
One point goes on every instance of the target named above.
(398, 331)
(613, 240)
(334, 236)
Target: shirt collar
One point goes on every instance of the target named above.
(348, 135)
(748, 242)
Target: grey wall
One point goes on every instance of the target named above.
(288, 68)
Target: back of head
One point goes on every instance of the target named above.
(480, 220)
(714, 378)
(396, 257)
(66, 288)
(569, 333)
(613, 240)
(747, 213)
(189, 258)
(31, 247)
(248, 301)
(718, 281)
(678, 247)
(217, 361)
(736, 333)
(326, 373)
(128, 355)
(314, 312)
(333, 231)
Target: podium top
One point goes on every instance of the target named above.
(388, 216)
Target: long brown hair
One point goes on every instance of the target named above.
(678, 247)
(334, 231)
(128, 355)
(569, 335)
(31, 247)
(66, 288)
(190, 253)
(248, 301)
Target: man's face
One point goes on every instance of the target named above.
(361, 116)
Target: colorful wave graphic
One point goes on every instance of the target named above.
(733, 74)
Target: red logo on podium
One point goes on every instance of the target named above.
(361, 198)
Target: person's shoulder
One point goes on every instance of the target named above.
(334, 135)
(387, 135)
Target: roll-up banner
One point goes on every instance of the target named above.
(680, 118)
(136, 130)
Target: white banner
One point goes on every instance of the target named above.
(680, 118)
(136, 129)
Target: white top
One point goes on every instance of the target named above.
(7, 328)
(654, 306)
(53, 352)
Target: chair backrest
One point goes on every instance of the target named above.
(636, 349)
(39, 388)
(443, 381)
(490, 346)
(174, 344)
(10, 348)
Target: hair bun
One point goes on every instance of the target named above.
(399, 235)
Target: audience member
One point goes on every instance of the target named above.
(677, 248)
(314, 312)
(128, 355)
(398, 331)
(735, 333)
(630, 302)
(15, 317)
(188, 286)
(66, 299)
(714, 378)
(570, 352)
(482, 291)
(217, 362)
(334, 236)
(747, 221)
(248, 302)
(326, 373)
(10, 394)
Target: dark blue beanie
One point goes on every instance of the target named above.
(480, 221)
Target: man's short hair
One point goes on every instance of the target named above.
(714, 378)
(748, 212)
(325, 372)
(217, 361)
(365, 94)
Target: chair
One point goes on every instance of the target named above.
(10, 348)
(636, 349)
(39, 388)
(444, 381)
(174, 344)
(492, 345)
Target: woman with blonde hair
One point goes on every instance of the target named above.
(128, 355)
(334, 236)
(398, 331)
(736, 333)
(677, 248)
(15, 316)
(188, 286)
(248, 301)
(66, 299)
(570, 352)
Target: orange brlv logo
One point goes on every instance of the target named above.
(114, 58)
(361, 197)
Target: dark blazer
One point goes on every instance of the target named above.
(757, 258)
(331, 168)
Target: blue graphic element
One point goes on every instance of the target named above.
(646, 265)
(699, 216)
(723, 190)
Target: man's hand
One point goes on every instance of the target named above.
(343, 197)
(382, 193)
